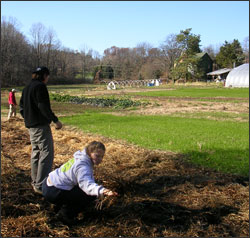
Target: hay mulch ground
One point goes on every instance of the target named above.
(159, 194)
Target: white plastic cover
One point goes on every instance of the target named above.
(238, 77)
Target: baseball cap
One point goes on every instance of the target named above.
(41, 70)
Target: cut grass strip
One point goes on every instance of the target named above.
(220, 145)
(199, 93)
(225, 116)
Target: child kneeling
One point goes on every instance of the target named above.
(72, 187)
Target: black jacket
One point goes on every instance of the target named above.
(35, 105)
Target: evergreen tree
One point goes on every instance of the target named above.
(189, 42)
(186, 66)
(230, 55)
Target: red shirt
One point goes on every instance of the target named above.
(12, 98)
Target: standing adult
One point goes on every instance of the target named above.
(12, 104)
(36, 111)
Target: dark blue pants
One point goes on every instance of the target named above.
(71, 202)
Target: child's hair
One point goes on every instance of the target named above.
(40, 72)
(93, 146)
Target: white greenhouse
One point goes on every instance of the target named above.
(238, 77)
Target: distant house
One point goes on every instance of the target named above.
(205, 63)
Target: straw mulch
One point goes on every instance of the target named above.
(159, 194)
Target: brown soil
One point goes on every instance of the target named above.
(159, 194)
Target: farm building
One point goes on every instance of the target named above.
(220, 74)
(205, 63)
(238, 77)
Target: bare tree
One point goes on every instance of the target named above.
(51, 43)
(211, 51)
(14, 53)
(63, 61)
(143, 48)
(86, 60)
(53, 57)
(171, 51)
(38, 41)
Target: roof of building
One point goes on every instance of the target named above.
(200, 55)
(219, 72)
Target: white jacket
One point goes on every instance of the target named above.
(77, 171)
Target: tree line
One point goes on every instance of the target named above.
(171, 59)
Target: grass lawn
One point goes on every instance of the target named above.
(216, 144)
(199, 92)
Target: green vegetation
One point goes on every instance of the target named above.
(225, 116)
(88, 76)
(63, 108)
(97, 101)
(215, 144)
(230, 54)
(189, 46)
(199, 92)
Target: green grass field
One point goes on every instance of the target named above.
(199, 92)
(219, 140)
(216, 144)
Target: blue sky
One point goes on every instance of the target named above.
(102, 24)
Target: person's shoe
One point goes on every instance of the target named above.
(61, 216)
(37, 190)
(56, 208)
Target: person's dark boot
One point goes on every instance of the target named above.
(65, 218)
(55, 207)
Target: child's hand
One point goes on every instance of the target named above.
(108, 192)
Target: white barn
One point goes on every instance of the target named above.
(238, 77)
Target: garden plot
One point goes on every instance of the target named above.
(161, 106)
(169, 105)
(160, 194)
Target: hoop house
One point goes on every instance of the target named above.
(238, 77)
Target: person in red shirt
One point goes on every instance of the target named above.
(12, 103)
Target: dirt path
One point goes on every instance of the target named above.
(160, 195)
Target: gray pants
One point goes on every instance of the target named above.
(42, 154)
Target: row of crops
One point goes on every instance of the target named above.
(97, 101)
